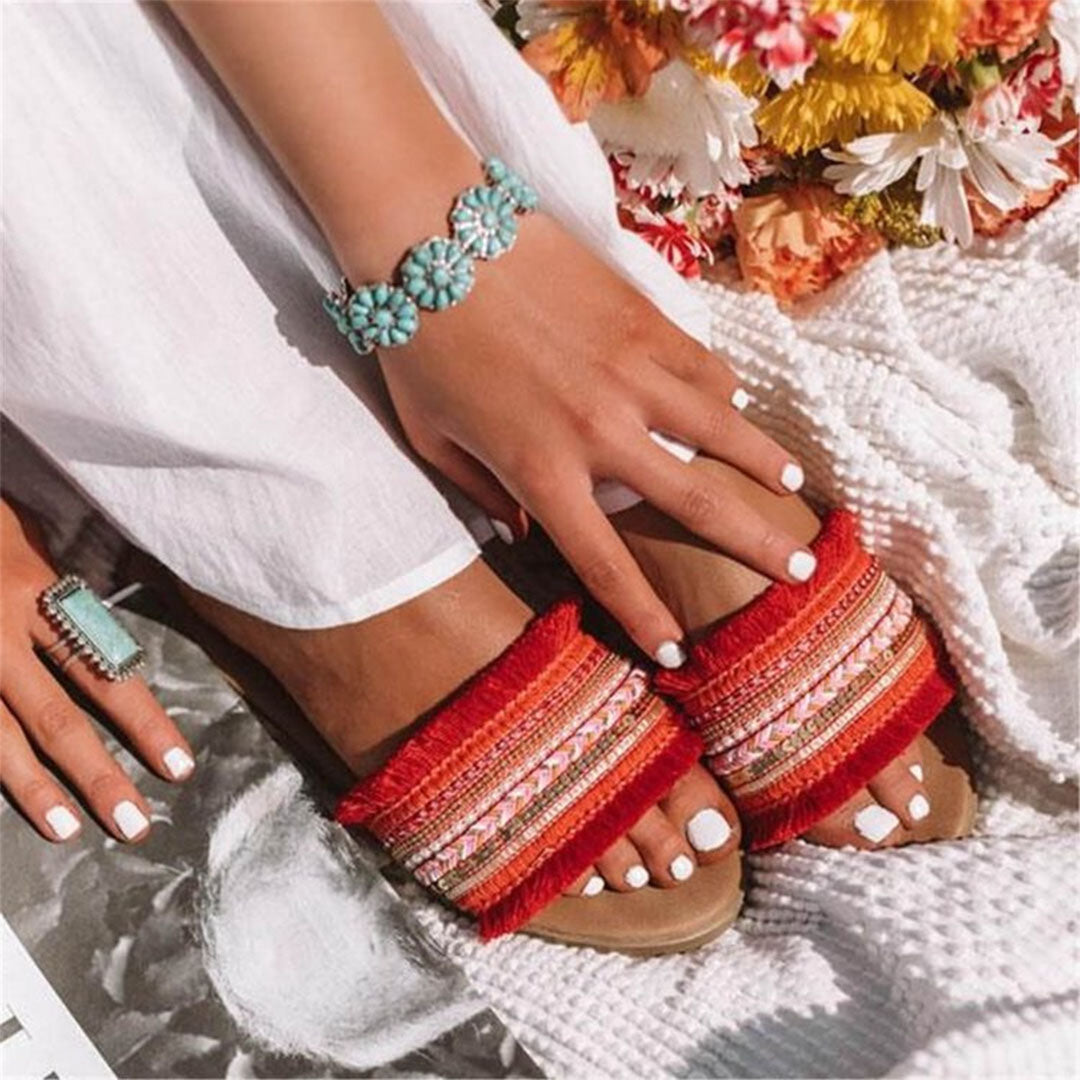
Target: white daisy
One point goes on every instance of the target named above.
(694, 126)
(1001, 160)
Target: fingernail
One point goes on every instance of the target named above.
(178, 761)
(130, 820)
(801, 565)
(918, 807)
(636, 876)
(792, 476)
(682, 866)
(670, 654)
(62, 822)
(502, 531)
(594, 886)
(708, 830)
(875, 822)
(916, 771)
(739, 398)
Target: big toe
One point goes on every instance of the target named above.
(703, 815)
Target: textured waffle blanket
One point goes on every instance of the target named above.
(934, 393)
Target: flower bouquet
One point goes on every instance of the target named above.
(789, 140)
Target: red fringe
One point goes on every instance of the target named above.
(766, 614)
(815, 802)
(564, 866)
(485, 695)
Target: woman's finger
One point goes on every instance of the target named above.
(723, 433)
(129, 704)
(31, 786)
(62, 732)
(711, 507)
(592, 547)
(476, 481)
(706, 372)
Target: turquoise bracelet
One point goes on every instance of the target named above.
(440, 272)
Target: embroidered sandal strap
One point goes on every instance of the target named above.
(808, 692)
(527, 775)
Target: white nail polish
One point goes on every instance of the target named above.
(670, 654)
(594, 886)
(918, 807)
(792, 476)
(875, 822)
(682, 866)
(916, 771)
(130, 820)
(636, 876)
(178, 762)
(708, 830)
(739, 399)
(801, 565)
(62, 822)
(502, 531)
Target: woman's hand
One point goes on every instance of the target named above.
(548, 378)
(38, 718)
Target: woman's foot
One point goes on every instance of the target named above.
(701, 586)
(348, 682)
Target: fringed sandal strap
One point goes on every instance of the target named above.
(527, 775)
(809, 691)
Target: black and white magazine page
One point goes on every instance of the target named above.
(245, 937)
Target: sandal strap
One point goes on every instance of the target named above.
(527, 775)
(808, 692)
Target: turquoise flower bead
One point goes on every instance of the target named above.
(380, 316)
(501, 177)
(333, 309)
(438, 274)
(484, 221)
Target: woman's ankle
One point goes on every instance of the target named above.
(363, 685)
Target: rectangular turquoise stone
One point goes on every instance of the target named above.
(91, 618)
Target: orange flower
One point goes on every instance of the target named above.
(796, 241)
(990, 221)
(1009, 26)
(604, 51)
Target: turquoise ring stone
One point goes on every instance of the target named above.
(90, 629)
(438, 274)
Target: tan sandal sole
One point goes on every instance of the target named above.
(947, 769)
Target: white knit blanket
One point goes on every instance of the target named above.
(933, 392)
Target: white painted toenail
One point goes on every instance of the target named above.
(594, 886)
(502, 531)
(130, 820)
(670, 654)
(792, 477)
(636, 877)
(708, 830)
(875, 822)
(919, 807)
(916, 771)
(740, 399)
(62, 822)
(178, 762)
(801, 565)
(682, 866)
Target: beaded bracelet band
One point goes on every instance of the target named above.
(438, 273)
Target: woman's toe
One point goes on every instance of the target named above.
(623, 867)
(703, 814)
(590, 883)
(663, 848)
(861, 822)
(899, 788)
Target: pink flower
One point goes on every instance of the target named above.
(1038, 85)
(779, 34)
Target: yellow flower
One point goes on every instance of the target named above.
(746, 74)
(902, 34)
(835, 104)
